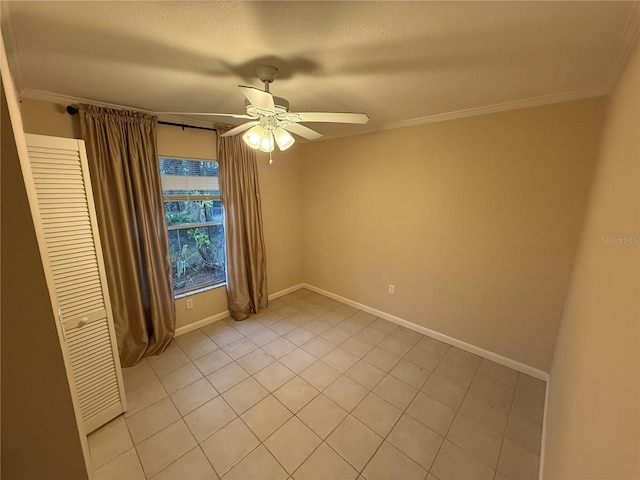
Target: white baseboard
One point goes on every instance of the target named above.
(286, 291)
(507, 362)
(543, 442)
(219, 316)
(201, 323)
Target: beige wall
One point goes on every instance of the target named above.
(475, 221)
(279, 187)
(593, 427)
(281, 191)
(40, 437)
(46, 118)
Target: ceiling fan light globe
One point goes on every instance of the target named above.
(254, 136)
(283, 138)
(266, 143)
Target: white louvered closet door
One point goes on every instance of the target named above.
(67, 214)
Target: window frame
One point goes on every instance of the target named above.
(182, 197)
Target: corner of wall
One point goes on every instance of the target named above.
(593, 414)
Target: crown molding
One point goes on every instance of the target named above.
(440, 117)
(484, 110)
(628, 38)
(69, 100)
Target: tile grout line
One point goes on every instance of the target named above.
(350, 334)
(404, 413)
(369, 391)
(476, 372)
(444, 437)
(262, 442)
(198, 444)
(457, 412)
(418, 390)
(320, 392)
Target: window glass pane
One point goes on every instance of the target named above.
(197, 257)
(194, 217)
(194, 211)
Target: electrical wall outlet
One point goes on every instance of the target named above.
(189, 303)
(392, 289)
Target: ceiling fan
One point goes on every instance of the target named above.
(270, 121)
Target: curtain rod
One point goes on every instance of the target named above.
(71, 110)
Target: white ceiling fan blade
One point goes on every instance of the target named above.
(329, 117)
(207, 114)
(259, 98)
(303, 131)
(239, 128)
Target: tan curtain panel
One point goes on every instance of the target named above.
(123, 163)
(246, 260)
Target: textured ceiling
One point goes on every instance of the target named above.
(399, 62)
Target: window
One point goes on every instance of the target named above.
(193, 214)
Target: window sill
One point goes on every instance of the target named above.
(199, 290)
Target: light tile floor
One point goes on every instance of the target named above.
(315, 389)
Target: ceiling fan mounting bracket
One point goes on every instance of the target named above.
(266, 74)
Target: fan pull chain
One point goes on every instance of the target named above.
(270, 159)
